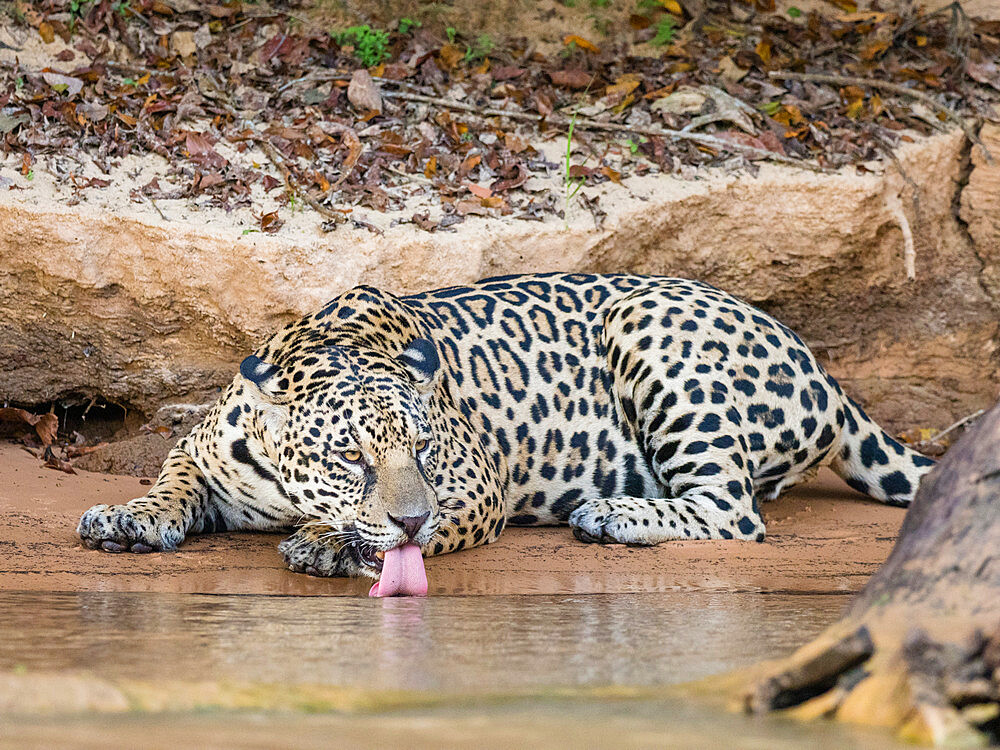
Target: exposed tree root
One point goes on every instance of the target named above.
(919, 651)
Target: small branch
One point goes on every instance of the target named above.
(896, 88)
(963, 421)
(153, 203)
(290, 187)
(588, 124)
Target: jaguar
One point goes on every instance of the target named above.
(635, 409)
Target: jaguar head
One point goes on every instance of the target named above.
(353, 443)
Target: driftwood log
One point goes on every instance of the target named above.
(919, 648)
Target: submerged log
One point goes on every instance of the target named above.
(919, 648)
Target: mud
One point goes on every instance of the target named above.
(823, 538)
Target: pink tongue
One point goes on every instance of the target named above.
(403, 573)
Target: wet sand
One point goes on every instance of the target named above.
(822, 538)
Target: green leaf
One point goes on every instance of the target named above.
(794, 12)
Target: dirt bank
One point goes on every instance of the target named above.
(822, 538)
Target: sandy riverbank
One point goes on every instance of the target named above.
(822, 538)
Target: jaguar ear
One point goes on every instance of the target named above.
(263, 375)
(422, 362)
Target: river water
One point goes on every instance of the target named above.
(486, 649)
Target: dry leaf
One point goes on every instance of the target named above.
(450, 56)
(580, 42)
(46, 425)
(63, 84)
(478, 190)
(763, 50)
(573, 78)
(430, 169)
(730, 70)
(683, 101)
(270, 222)
(672, 6)
(46, 32)
(611, 174)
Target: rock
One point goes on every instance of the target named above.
(111, 300)
(363, 93)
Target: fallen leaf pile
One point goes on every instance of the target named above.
(241, 97)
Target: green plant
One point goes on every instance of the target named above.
(405, 24)
(451, 32)
(370, 45)
(600, 3)
(571, 185)
(666, 27)
(77, 9)
(480, 49)
(633, 145)
(122, 7)
(794, 12)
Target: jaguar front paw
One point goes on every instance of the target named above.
(307, 552)
(121, 528)
(609, 522)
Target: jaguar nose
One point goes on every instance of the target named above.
(411, 524)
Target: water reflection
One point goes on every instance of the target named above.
(453, 643)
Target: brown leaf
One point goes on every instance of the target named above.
(363, 93)
(543, 104)
(478, 190)
(875, 48)
(424, 222)
(508, 72)
(354, 149)
(199, 147)
(573, 78)
(450, 55)
(270, 222)
(515, 144)
(46, 32)
(431, 167)
(611, 174)
(988, 73)
(53, 462)
(270, 183)
(46, 425)
(468, 164)
(580, 42)
(763, 50)
(509, 183)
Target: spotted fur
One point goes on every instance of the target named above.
(635, 409)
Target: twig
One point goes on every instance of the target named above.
(963, 421)
(290, 186)
(153, 202)
(588, 124)
(320, 75)
(888, 86)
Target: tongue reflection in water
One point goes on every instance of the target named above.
(403, 573)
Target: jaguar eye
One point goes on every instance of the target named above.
(420, 445)
(352, 457)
